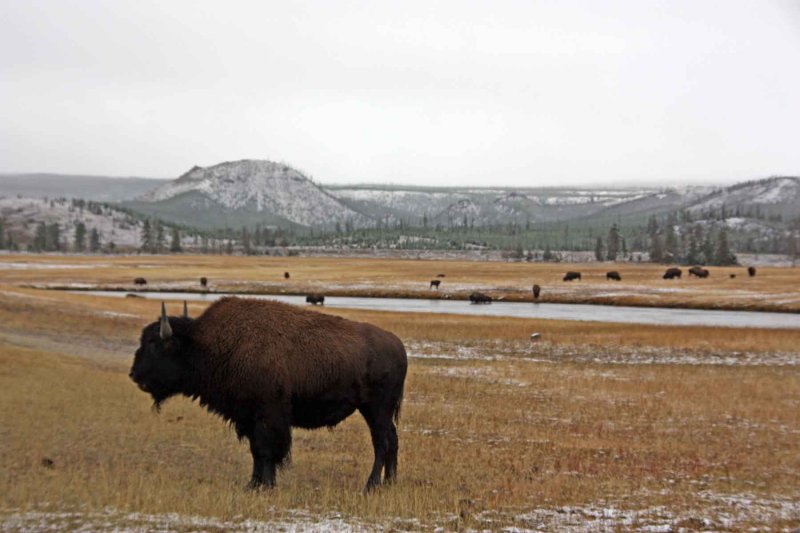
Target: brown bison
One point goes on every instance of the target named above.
(140, 281)
(440, 275)
(751, 271)
(315, 299)
(733, 276)
(673, 273)
(698, 272)
(569, 276)
(204, 282)
(536, 291)
(266, 367)
(435, 283)
(286, 275)
(480, 298)
(613, 275)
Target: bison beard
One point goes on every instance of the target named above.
(267, 367)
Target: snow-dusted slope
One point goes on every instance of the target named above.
(778, 195)
(260, 187)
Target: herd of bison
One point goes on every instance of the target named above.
(481, 298)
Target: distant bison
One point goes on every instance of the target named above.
(440, 275)
(569, 276)
(751, 271)
(673, 273)
(140, 281)
(480, 298)
(435, 283)
(733, 276)
(536, 291)
(286, 275)
(315, 299)
(698, 272)
(266, 367)
(613, 275)
(204, 282)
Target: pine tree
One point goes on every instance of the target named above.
(160, 238)
(693, 254)
(613, 243)
(2, 234)
(147, 236)
(80, 237)
(656, 249)
(598, 249)
(175, 244)
(708, 248)
(94, 241)
(53, 239)
(724, 256)
(246, 241)
(671, 243)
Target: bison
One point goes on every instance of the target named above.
(536, 291)
(315, 299)
(751, 271)
(480, 298)
(140, 281)
(569, 276)
(435, 283)
(698, 272)
(267, 366)
(672, 273)
(204, 281)
(286, 275)
(613, 275)
(440, 275)
(733, 276)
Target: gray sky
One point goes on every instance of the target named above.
(421, 92)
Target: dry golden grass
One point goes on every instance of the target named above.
(772, 289)
(483, 443)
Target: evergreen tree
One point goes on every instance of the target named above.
(547, 255)
(94, 241)
(693, 254)
(724, 256)
(229, 247)
(2, 234)
(246, 241)
(175, 243)
(80, 237)
(147, 236)
(708, 248)
(656, 249)
(160, 238)
(598, 249)
(40, 238)
(613, 243)
(671, 243)
(53, 240)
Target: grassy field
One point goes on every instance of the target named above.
(599, 426)
(773, 289)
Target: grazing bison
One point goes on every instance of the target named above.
(480, 298)
(613, 275)
(698, 272)
(286, 275)
(267, 366)
(536, 291)
(751, 271)
(140, 281)
(569, 276)
(440, 275)
(435, 283)
(315, 299)
(204, 282)
(673, 273)
(733, 276)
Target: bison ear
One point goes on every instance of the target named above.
(185, 310)
(166, 330)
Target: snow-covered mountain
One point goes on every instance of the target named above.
(768, 197)
(248, 192)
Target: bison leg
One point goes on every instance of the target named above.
(390, 459)
(379, 424)
(269, 444)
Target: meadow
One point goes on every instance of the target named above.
(596, 427)
(772, 289)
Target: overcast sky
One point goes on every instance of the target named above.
(419, 92)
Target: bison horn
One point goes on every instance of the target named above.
(185, 310)
(166, 329)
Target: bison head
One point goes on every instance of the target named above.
(161, 365)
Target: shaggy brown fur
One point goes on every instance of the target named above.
(140, 281)
(751, 271)
(672, 273)
(204, 281)
(698, 272)
(315, 299)
(536, 291)
(569, 276)
(267, 366)
(613, 275)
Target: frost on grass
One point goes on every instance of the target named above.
(554, 353)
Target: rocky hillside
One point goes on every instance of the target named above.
(246, 193)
